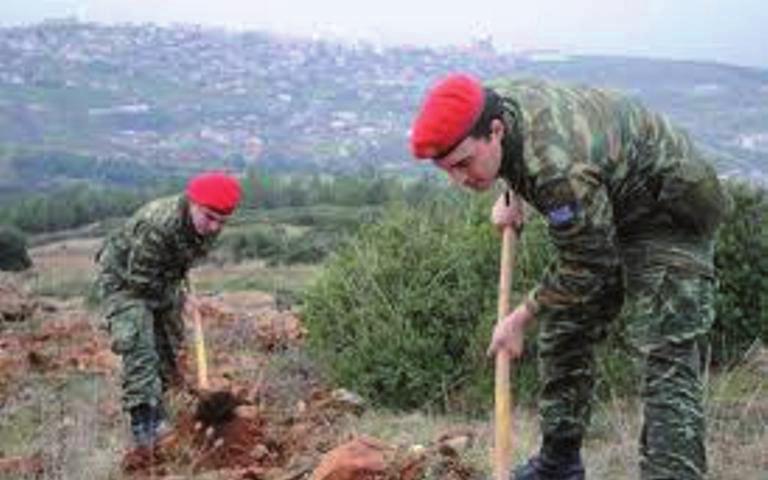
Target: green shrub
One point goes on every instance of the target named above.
(403, 313)
(13, 250)
(74, 206)
(291, 235)
(318, 215)
(259, 241)
(311, 247)
(741, 259)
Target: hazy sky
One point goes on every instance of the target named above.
(734, 31)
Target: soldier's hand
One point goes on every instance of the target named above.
(509, 333)
(192, 304)
(508, 213)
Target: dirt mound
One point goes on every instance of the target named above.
(241, 443)
(289, 444)
(15, 467)
(144, 462)
(66, 341)
(255, 313)
(60, 345)
(217, 407)
(279, 330)
(367, 458)
(358, 459)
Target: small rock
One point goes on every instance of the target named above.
(250, 412)
(260, 452)
(416, 449)
(359, 458)
(451, 444)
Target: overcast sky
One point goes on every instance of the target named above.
(729, 31)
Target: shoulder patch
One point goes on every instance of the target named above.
(562, 215)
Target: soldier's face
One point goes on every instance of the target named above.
(205, 220)
(475, 162)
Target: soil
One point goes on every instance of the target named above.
(261, 435)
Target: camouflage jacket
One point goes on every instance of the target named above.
(150, 255)
(603, 170)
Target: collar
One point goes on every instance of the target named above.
(186, 219)
(512, 165)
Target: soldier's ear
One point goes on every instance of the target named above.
(497, 128)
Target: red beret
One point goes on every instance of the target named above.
(218, 191)
(449, 112)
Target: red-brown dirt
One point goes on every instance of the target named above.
(267, 437)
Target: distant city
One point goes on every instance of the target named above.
(185, 96)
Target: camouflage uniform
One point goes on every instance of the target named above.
(142, 267)
(632, 210)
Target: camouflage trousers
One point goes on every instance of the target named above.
(149, 341)
(668, 308)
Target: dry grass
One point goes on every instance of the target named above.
(66, 269)
(64, 421)
(62, 269)
(253, 275)
(423, 429)
(737, 412)
(738, 421)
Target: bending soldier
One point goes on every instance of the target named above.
(632, 209)
(142, 271)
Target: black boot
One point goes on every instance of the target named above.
(160, 422)
(147, 424)
(557, 460)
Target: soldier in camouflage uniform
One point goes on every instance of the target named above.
(632, 210)
(142, 274)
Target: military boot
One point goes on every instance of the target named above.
(557, 460)
(160, 422)
(148, 424)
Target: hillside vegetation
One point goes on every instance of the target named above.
(404, 311)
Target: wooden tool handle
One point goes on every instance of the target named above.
(202, 363)
(503, 396)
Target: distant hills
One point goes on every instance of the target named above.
(126, 104)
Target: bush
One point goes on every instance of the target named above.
(71, 207)
(13, 250)
(403, 313)
(259, 241)
(741, 260)
(270, 236)
(317, 215)
(311, 247)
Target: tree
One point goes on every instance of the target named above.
(13, 250)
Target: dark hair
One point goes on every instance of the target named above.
(492, 109)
